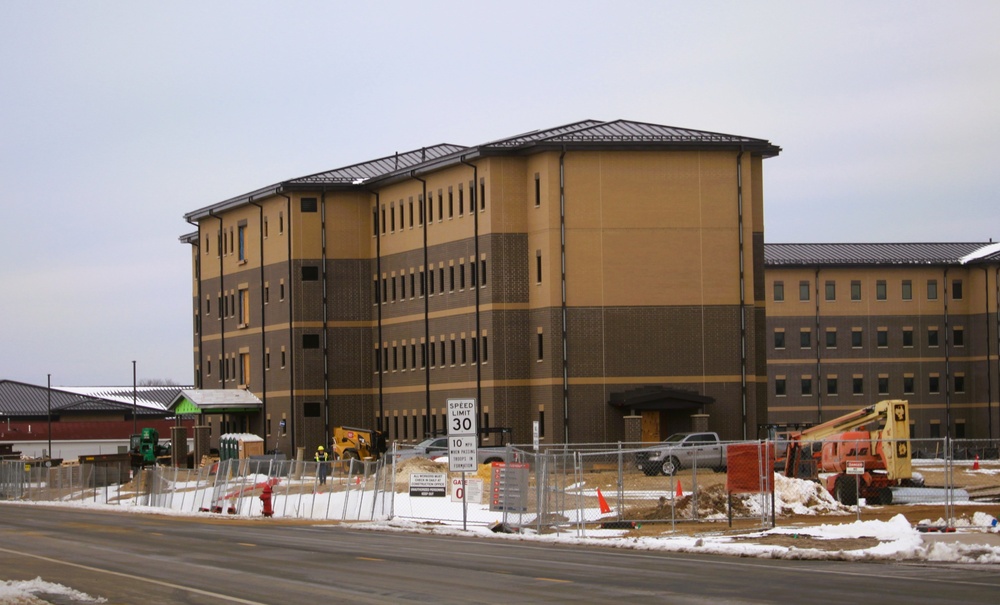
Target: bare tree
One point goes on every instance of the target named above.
(157, 382)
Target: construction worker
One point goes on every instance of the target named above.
(321, 458)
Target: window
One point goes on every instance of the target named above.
(441, 275)
(461, 201)
(932, 289)
(779, 291)
(244, 308)
(803, 290)
(831, 339)
(430, 208)
(392, 217)
(281, 223)
(831, 290)
(402, 286)
(908, 384)
(282, 357)
(858, 385)
(538, 266)
(538, 191)
(883, 385)
(395, 358)
(908, 337)
(430, 283)
(281, 291)
(807, 386)
(393, 290)
(423, 282)
(267, 294)
(453, 356)
(463, 349)
(805, 339)
(933, 383)
(411, 212)
(242, 248)
(433, 354)
(451, 203)
(932, 337)
(413, 284)
(907, 289)
(779, 339)
(486, 349)
(482, 194)
(855, 290)
(310, 273)
(880, 290)
(882, 338)
(831, 385)
(440, 205)
(472, 273)
(311, 409)
(958, 336)
(857, 338)
(779, 387)
(959, 383)
(451, 278)
(310, 341)
(403, 352)
(383, 219)
(541, 346)
(461, 276)
(420, 205)
(423, 355)
(482, 273)
(956, 289)
(308, 204)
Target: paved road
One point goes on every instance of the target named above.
(148, 559)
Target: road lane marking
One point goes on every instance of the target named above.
(247, 544)
(206, 593)
(554, 580)
(368, 559)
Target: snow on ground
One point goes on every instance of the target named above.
(33, 592)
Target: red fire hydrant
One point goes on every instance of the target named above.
(265, 498)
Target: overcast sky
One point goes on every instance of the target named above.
(116, 118)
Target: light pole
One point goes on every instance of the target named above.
(48, 397)
(135, 407)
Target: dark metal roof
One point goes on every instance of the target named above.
(784, 255)
(22, 399)
(358, 173)
(627, 132)
(586, 134)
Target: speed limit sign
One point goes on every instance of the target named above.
(462, 417)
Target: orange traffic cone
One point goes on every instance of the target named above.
(975, 463)
(605, 509)
(680, 492)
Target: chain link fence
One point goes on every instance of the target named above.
(575, 488)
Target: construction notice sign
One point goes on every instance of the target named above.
(509, 487)
(428, 485)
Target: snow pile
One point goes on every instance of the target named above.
(802, 497)
(29, 593)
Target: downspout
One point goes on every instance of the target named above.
(291, 328)
(263, 323)
(222, 318)
(378, 309)
(201, 328)
(947, 364)
(326, 322)
(475, 238)
(427, 310)
(562, 254)
(819, 378)
(989, 374)
(743, 295)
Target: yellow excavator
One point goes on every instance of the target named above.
(359, 444)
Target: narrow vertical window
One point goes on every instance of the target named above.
(420, 203)
(482, 194)
(482, 273)
(538, 266)
(242, 248)
(411, 212)
(538, 191)
(541, 346)
(461, 201)
(486, 349)
(451, 278)
(461, 276)
(451, 203)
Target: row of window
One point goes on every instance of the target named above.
(806, 386)
(387, 287)
(881, 290)
(881, 337)
(400, 357)
(411, 212)
(235, 241)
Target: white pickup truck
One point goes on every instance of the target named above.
(683, 450)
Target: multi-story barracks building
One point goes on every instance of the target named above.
(604, 279)
(852, 324)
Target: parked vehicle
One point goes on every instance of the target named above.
(683, 450)
(492, 447)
